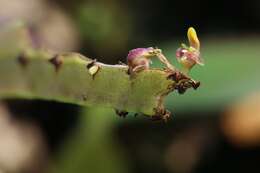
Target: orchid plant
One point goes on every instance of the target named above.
(31, 73)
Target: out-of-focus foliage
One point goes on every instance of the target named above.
(50, 27)
(231, 71)
(105, 27)
(94, 148)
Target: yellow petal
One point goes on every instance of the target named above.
(193, 38)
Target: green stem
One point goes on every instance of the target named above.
(29, 73)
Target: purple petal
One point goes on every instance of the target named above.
(137, 52)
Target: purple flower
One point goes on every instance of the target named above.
(188, 58)
(139, 52)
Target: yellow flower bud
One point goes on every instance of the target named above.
(193, 38)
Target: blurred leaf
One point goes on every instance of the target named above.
(93, 148)
(232, 70)
(105, 27)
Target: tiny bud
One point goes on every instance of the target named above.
(139, 59)
(93, 70)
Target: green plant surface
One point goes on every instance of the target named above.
(72, 83)
(30, 73)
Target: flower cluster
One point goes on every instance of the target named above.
(188, 56)
(140, 58)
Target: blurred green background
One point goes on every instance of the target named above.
(213, 129)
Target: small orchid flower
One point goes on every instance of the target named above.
(188, 56)
(139, 59)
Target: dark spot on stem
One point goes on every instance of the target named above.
(22, 60)
(196, 85)
(177, 76)
(56, 61)
(183, 82)
(161, 114)
(181, 89)
(121, 113)
(174, 76)
(91, 64)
